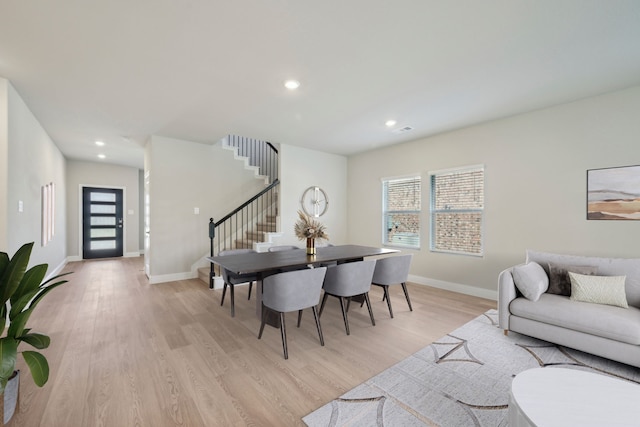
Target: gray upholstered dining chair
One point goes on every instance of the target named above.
(347, 280)
(232, 279)
(393, 270)
(292, 291)
(283, 248)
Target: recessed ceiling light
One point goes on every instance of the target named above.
(390, 123)
(99, 143)
(102, 156)
(292, 84)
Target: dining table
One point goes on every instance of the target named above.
(264, 264)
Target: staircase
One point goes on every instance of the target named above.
(253, 222)
(259, 234)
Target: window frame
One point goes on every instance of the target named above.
(385, 211)
(433, 212)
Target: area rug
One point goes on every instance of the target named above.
(463, 379)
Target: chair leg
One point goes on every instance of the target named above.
(283, 332)
(317, 318)
(299, 317)
(406, 294)
(344, 315)
(366, 299)
(386, 295)
(233, 300)
(264, 320)
(348, 303)
(250, 286)
(224, 292)
(324, 299)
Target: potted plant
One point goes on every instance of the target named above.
(20, 292)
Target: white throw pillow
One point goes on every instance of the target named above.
(607, 290)
(531, 280)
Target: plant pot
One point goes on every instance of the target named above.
(10, 402)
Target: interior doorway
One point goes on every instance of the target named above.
(102, 226)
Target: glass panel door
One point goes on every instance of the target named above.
(102, 230)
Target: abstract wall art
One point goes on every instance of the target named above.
(613, 193)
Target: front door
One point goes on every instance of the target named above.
(101, 222)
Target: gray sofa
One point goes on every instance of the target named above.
(605, 330)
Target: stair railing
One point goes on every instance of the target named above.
(249, 219)
(260, 153)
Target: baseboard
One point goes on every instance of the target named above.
(162, 278)
(56, 270)
(75, 258)
(455, 287)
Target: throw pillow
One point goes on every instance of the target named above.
(559, 282)
(607, 290)
(531, 280)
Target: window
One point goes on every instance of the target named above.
(401, 211)
(457, 206)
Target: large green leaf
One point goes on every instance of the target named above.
(44, 284)
(45, 291)
(38, 366)
(38, 341)
(3, 316)
(19, 305)
(30, 282)
(8, 355)
(17, 325)
(4, 262)
(14, 272)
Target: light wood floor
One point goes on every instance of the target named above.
(127, 353)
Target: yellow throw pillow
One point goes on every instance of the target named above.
(607, 290)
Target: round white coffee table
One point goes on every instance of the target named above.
(570, 397)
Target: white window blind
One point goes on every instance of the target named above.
(457, 207)
(401, 198)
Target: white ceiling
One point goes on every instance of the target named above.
(197, 70)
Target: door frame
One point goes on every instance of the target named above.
(124, 215)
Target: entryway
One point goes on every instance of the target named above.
(102, 227)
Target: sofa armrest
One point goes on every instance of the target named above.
(507, 292)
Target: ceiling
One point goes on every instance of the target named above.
(197, 70)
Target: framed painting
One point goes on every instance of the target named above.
(613, 193)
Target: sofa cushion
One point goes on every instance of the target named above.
(602, 320)
(598, 289)
(531, 280)
(559, 282)
(629, 267)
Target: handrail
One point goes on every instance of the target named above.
(247, 203)
(272, 147)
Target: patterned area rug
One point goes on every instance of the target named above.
(463, 379)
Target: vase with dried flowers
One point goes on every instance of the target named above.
(309, 229)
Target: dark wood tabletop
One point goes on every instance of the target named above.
(267, 261)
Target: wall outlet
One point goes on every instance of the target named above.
(196, 211)
(20, 206)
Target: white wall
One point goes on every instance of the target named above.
(184, 175)
(301, 168)
(4, 163)
(535, 186)
(94, 174)
(33, 161)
